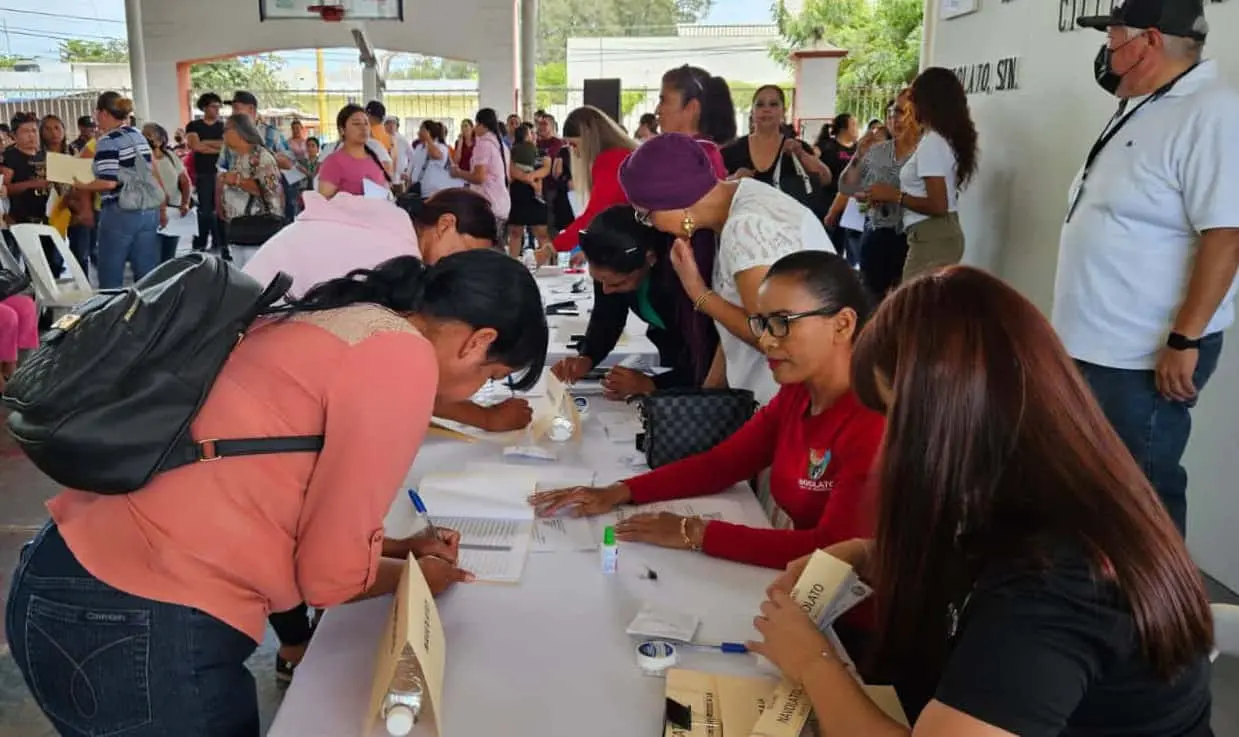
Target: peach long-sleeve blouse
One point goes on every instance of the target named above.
(244, 536)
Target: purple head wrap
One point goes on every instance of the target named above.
(670, 171)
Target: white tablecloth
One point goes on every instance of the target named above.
(557, 287)
(547, 657)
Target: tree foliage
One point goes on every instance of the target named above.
(114, 51)
(258, 74)
(416, 66)
(8, 62)
(882, 38)
(559, 19)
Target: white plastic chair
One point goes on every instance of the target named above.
(52, 293)
(1225, 630)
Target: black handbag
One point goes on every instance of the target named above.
(678, 423)
(254, 228)
(12, 282)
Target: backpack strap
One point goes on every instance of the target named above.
(213, 450)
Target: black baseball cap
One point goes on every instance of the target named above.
(1184, 18)
(376, 109)
(243, 97)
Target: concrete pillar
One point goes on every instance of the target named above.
(167, 94)
(497, 82)
(137, 58)
(370, 88)
(929, 31)
(529, 58)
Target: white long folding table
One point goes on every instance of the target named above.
(556, 286)
(547, 657)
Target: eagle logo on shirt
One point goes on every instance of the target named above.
(818, 461)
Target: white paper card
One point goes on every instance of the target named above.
(183, 226)
(375, 191)
(664, 624)
(293, 175)
(852, 218)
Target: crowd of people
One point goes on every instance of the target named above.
(919, 419)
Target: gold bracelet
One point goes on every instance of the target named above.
(697, 303)
(688, 540)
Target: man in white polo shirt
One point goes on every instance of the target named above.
(1150, 245)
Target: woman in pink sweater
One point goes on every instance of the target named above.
(135, 614)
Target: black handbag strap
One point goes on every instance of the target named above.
(213, 450)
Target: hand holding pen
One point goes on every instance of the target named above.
(429, 540)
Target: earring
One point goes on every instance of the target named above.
(688, 225)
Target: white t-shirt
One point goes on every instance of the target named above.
(763, 226)
(933, 157)
(1125, 255)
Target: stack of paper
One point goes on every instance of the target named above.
(492, 514)
(548, 399)
(553, 534)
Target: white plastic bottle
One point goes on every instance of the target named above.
(609, 551)
(530, 259)
(403, 704)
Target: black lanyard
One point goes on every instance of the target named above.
(1114, 128)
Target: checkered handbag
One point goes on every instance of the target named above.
(682, 422)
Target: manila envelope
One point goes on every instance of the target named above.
(63, 169)
(721, 704)
(413, 624)
(817, 587)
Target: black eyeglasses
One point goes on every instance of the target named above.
(779, 324)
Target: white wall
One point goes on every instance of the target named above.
(641, 61)
(1032, 142)
(178, 30)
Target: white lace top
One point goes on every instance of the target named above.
(763, 226)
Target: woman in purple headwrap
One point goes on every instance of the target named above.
(672, 185)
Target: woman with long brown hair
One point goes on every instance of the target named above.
(1022, 560)
(943, 163)
(598, 147)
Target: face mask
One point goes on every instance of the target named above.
(1105, 76)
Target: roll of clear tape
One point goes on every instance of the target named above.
(655, 657)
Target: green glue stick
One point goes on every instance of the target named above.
(610, 551)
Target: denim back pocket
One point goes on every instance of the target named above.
(89, 667)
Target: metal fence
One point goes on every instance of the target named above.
(866, 103)
(68, 105)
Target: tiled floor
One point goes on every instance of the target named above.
(22, 493)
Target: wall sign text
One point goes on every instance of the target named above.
(987, 77)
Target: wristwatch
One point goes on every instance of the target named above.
(1180, 342)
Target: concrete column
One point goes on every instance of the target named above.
(370, 83)
(929, 31)
(529, 58)
(137, 59)
(497, 82)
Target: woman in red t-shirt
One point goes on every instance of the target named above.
(598, 147)
(816, 438)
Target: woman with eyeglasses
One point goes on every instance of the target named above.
(816, 438)
(631, 268)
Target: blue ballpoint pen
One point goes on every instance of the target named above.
(726, 647)
(420, 507)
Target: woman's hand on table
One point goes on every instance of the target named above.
(580, 501)
(621, 383)
(441, 575)
(572, 369)
(446, 545)
(664, 529)
(685, 265)
(790, 639)
(510, 414)
(856, 552)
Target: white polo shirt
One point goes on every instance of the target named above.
(1125, 254)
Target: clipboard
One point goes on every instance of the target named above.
(413, 627)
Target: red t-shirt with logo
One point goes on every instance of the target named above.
(820, 468)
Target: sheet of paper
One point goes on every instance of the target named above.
(492, 549)
(184, 226)
(484, 495)
(63, 169)
(664, 624)
(293, 175)
(375, 191)
(852, 218)
(620, 426)
(563, 535)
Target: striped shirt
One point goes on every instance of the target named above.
(119, 148)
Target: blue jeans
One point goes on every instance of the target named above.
(102, 662)
(1153, 428)
(126, 236)
(82, 244)
(167, 247)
